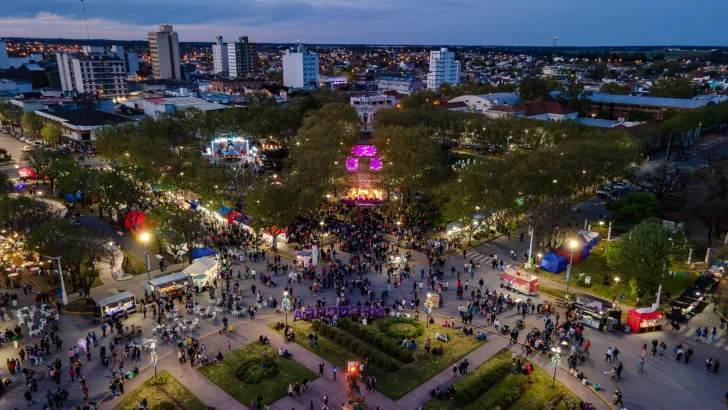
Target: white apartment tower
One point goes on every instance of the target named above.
(220, 57)
(164, 50)
(300, 68)
(443, 69)
(95, 72)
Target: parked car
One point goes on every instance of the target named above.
(705, 165)
(37, 144)
(621, 185)
(27, 148)
(603, 193)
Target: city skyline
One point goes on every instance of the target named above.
(423, 22)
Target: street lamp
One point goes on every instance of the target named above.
(145, 239)
(285, 308)
(616, 282)
(555, 362)
(64, 296)
(572, 244)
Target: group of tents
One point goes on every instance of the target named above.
(556, 262)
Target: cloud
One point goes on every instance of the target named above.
(458, 22)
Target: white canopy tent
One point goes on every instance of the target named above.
(202, 271)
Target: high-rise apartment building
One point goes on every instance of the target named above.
(131, 59)
(220, 57)
(300, 68)
(95, 71)
(443, 69)
(164, 51)
(243, 58)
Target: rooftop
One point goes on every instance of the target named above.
(85, 118)
(182, 102)
(649, 101)
(403, 79)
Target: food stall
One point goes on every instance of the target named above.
(202, 271)
(114, 303)
(304, 258)
(169, 285)
(644, 320)
(520, 281)
(597, 313)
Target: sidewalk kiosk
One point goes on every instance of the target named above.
(520, 281)
(169, 285)
(202, 271)
(107, 306)
(644, 320)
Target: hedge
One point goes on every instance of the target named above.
(513, 394)
(381, 360)
(386, 327)
(383, 343)
(469, 394)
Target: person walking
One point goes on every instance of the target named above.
(713, 333)
(609, 355)
(612, 373)
(644, 349)
(716, 365)
(654, 347)
(333, 370)
(321, 369)
(29, 397)
(619, 370)
(641, 366)
(618, 397)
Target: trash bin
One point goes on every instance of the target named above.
(587, 280)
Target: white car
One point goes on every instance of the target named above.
(37, 144)
(621, 185)
(27, 148)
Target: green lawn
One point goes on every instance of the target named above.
(596, 265)
(270, 388)
(172, 394)
(410, 376)
(533, 391)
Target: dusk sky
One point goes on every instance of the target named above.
(456, 22)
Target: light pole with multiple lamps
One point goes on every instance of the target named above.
(555, 362)
(145, 239)
(285, 308)
(572, 245)
(64, 296)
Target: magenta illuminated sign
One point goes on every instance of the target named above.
(352, 164)
(364, 150)
(375, 164)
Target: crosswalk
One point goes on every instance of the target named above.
(478, 258)
(719, 341)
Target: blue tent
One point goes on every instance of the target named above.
(553, 262)
(202, 252)
(70, 198)
(224, 210)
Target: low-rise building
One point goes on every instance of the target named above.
(537, 110)
(153, 107)
(367, 105)
(80, 125)
(403, 85)
(481, 102)
(619, 106)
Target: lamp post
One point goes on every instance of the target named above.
(145, 239)
(398, 225)
(572, 245)
(285, 308)
(557, 355)
(609, 232)
(64, 296)
(616, 282)
(530, 247)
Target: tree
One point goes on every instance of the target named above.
(23, 214)
(411, 160)
(707, 198)
(634, 207)
(420, 99)
(273, 206)
(32, 123)
(673, 87)
(51, 132)
(122, 187)
(185, 223)
(79, 249)
(664, 181)
(646, 252)
(58, 165)
(615, 88)
(533, 89)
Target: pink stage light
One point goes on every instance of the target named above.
(364, 150)
(352, 164)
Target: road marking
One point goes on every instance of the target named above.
(691, 331)
(720, 343)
